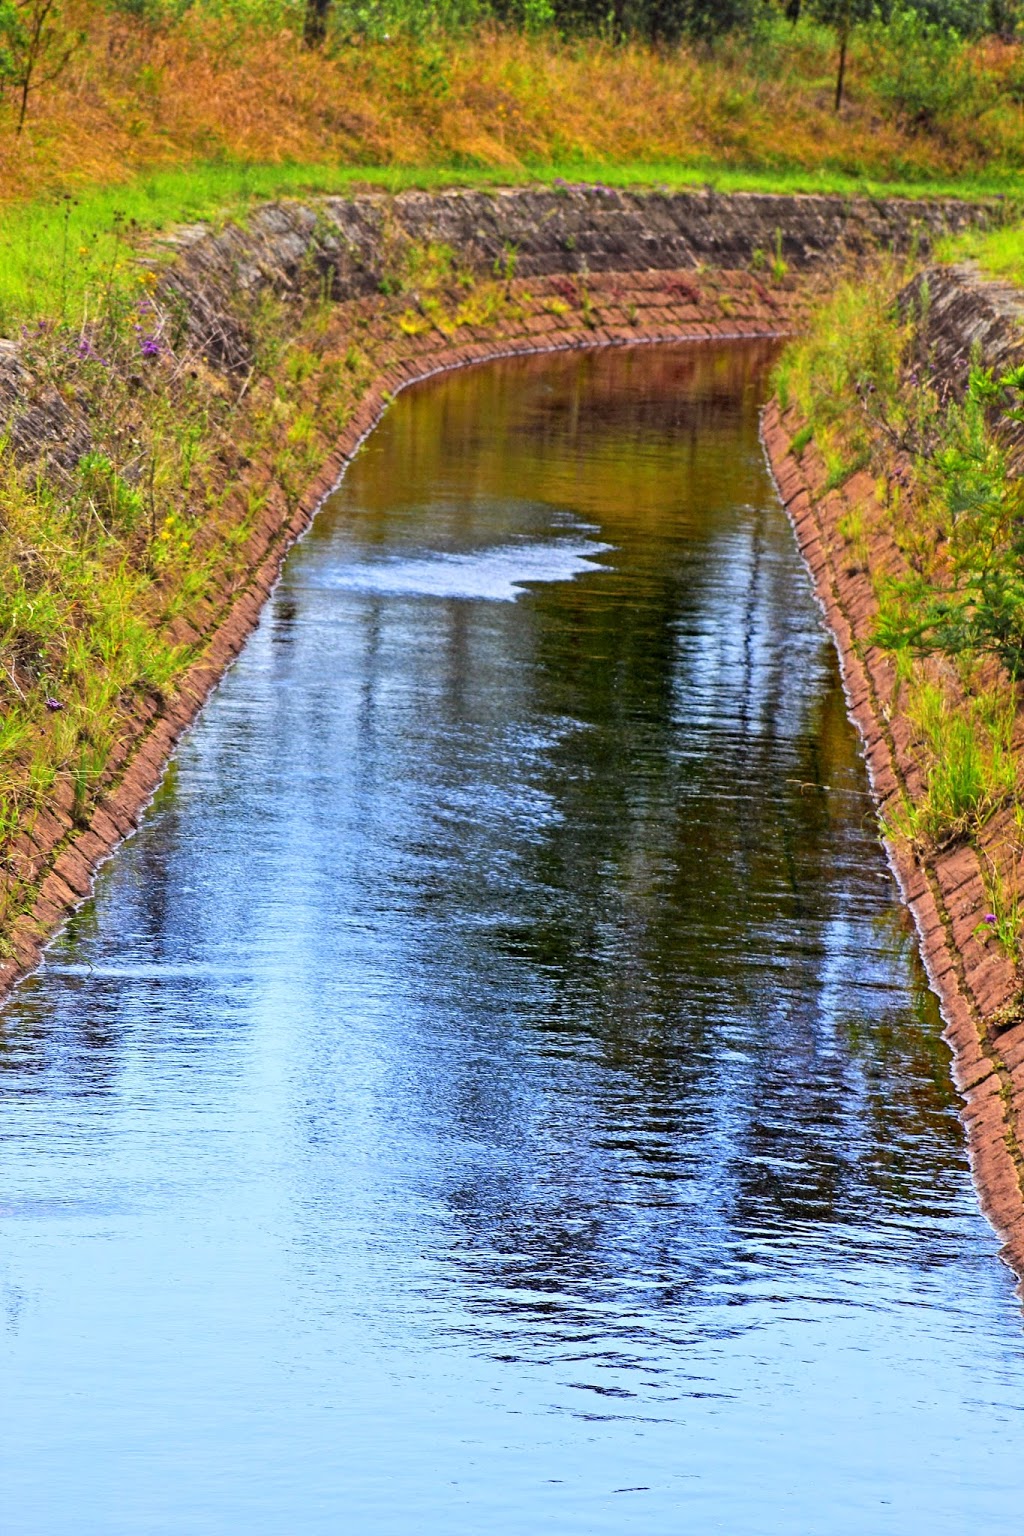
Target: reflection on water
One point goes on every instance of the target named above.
(494, 1091)
(501, 574)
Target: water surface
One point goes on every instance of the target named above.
(494, 1091)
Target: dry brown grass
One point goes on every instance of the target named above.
(136, 99)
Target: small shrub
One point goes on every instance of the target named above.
(970, 768)
(977, 507)
(117, 504)
(922, 71)
(37, 40)
(780, 266)
(856, 344)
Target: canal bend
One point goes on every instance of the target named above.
(495, 1089)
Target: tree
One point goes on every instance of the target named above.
(844, 22)
(925, 40)
(1004, 18)
(314, 25)
(36, 43)
(843, 16)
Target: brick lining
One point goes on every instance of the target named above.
(946, 891)
(54, 862)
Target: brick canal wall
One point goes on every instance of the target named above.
(50, 862)
(581, 268)
(946, 890)
(346, 247)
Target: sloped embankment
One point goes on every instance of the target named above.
(846, 534)
(177, 443)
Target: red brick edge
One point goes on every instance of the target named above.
(945, 893)
(65, 858)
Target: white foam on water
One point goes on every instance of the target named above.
(496, 575)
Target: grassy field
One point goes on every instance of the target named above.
(55, 247)
(138, 97)
(156, 124)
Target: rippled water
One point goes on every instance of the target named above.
(494, 1092)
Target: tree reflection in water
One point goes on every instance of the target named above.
(498, 1074)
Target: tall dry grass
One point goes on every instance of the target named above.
(137, 97)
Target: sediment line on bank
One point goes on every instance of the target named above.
(945, 891)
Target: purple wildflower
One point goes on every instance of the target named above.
(53, 704)
(990, 917)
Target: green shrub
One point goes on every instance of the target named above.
(921, 71)
(117, 504)
(977, 507)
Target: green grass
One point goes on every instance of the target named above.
(972, 769)
(55, 251)
(1000, 252)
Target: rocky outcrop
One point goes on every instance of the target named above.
(37, 421)
(963, 314)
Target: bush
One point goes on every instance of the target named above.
(921, 70)
(377, 20)
(37, 39)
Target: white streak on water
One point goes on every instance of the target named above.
(500, 574)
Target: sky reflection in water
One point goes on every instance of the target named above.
(494, 1090)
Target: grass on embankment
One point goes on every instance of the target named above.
(55, 249)
(197, 115)
(947, 473)
(999, 252)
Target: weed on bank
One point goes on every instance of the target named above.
(124, 532)
(946, 466)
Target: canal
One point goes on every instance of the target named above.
(495, 1090)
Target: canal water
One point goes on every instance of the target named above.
(494, 1091)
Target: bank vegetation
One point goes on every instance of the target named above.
(945, 453)
(163, 110)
